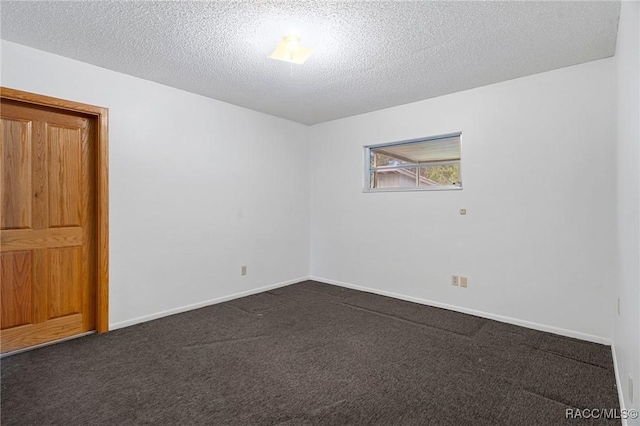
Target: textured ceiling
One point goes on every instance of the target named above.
(369, 55)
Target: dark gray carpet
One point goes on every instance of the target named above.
(310, 354)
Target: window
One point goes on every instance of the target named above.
(431, 163)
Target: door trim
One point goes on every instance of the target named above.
(101, 115)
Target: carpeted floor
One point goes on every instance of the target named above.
(310, 354)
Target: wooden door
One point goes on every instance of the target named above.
(49, 239)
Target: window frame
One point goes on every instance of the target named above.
(368, 169)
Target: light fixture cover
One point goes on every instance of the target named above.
(289, 50)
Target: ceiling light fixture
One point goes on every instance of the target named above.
(290, 50)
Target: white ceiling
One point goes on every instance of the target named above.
(369, 55)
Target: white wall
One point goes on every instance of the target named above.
(626, 337)
(538, 173)
(200, 187)
(197, 187)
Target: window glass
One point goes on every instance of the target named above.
(428, 163)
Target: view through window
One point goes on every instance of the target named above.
(426, 163)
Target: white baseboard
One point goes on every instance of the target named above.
(144, 318)
(618, 382)
(496, 317)
(482, 314)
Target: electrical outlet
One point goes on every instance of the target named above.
(243, 270)
(463, 282)
(630, 389)
(618, 306)
(455, 280)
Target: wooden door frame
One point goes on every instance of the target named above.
(101, 115)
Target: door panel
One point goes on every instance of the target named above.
(48, 241)
(16, 303)
(35, 334)
(65, 293)
(64, 176)
(23, 239)
(15, 170)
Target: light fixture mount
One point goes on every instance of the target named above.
(290, 50)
